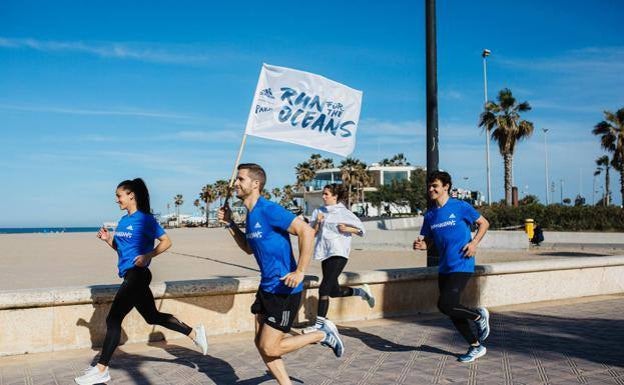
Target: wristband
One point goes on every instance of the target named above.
(229, 225)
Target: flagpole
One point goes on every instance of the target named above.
(234, 172)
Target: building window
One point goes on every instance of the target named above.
(390, 176)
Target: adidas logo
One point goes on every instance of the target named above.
(129, 228)
(257, 226)
(452, 216)
(268, 93)
(271, 319)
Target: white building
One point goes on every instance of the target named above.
(381, 175)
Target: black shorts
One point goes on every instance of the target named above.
(277, 310)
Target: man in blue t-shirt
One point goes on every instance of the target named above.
(267, 236)
(447, 225)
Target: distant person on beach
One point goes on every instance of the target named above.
(134, 242)
(538, 235)
(334, 226)
(266, 235)
(447, 225)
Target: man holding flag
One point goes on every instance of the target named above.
(266, 235)
(310, 110)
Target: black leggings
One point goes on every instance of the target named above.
(332, 267)
(135, 292)
(451, 287)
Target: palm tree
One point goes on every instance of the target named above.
(318, 163)
(611, 132)
(178, 200)
(327, 163)
(287, 195)
(305, 173)
(604, 165)
(397, 160)
(266, 194)
(208, 195)
(200, 208)
(221, 188)
(277, 192)
(506, 127)
(353, 172)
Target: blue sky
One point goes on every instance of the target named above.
(96, 92)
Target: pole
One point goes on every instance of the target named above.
(432, 88)
(485, 54)
(432, 104)
(546, 163)
(234, 172)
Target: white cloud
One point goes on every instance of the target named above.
(170, 54)
(86, 111)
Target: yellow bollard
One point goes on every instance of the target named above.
(529, 227)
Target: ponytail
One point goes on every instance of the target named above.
(141, 194)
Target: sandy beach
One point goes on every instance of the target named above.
(30, 261)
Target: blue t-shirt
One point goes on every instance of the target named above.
(267, 235)
(449, 227)
(134, 236)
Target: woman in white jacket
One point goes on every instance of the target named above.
(335, 225)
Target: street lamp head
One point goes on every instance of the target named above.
(485, 53)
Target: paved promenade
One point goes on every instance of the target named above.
(572, 342)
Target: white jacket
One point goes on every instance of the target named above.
(329, 240)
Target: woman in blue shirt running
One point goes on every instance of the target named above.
(134, 242)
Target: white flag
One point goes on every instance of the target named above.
(303, 108)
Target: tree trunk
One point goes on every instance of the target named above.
(622, 183)
(607, 183)
(508, 159)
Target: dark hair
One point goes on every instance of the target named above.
(337, 190)
(138, 187)
(442, 176)
(256, 172)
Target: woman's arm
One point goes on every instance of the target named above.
(318, 222)
(349, 229)
(164, 243)
(107, 237)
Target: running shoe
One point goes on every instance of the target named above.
(200, 338)
(332, 338)
(316, 327)
(483, 323)
(92, 376)
(370, 298)
(472, 354)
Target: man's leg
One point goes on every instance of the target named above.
(451, 287)
(273, 344)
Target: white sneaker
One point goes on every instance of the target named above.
(316, 327)
(92, 376)
(332, 338)
(370, 298)
(200, 338)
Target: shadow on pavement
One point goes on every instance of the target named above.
(383, 345)
(564, 335)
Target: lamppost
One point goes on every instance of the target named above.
(545, 130)
(484, 55)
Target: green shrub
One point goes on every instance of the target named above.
(556, 217)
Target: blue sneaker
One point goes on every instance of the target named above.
(483, 323)
(332, 338)
(472, 354)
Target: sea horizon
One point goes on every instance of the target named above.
(47, 229)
